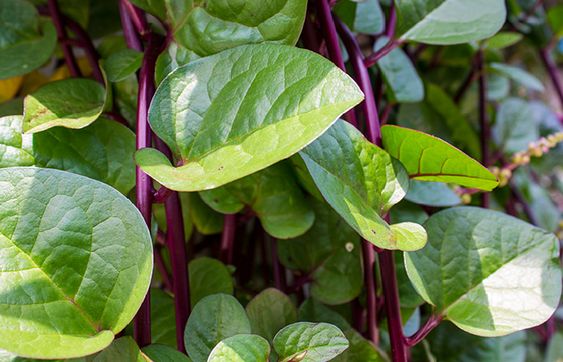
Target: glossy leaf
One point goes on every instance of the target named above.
(400, 75)
(274, 196)
(432, 194)
(162, 353)
(514, 129)
(519, 76)
(123, 349)
(237, 112)
(122, 64)
(269, 311)
(26, 40)
(331, 259)
(15, 147)
(70, 103)
(76, 260)
(361, 182)
(361, 16)
(309, 342)
(241, 348)
(213, 319)
(478, 262)
(449, 21)
(208, 276)
(428, 158)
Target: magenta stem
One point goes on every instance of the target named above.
(483, 121)
(89, 49)
(388, 48)
(277, 268)
(129, 32)
(392, 22)
(368, 255)
(430, 324)
(553, 72)
(70, 60)
(228, 238)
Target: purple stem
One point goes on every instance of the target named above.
(483, 121)
(228, 238)
(89, 49)
(161, 266)
(388, 48)
(392, 22)
(131, 37)
(277, 268)
(430, 324)
(466, 82)
(58, 20)
(551, 69)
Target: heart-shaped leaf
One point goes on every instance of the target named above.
(241, 348)
(428, 158)
(162, 353)
(208, 276)
(70, 103)
(331, 259)
(273, 194)
(76, 261)
(269, 311)
(478, 262)
(361, 182)
(449, 21)
(26, 40)
(213, 319)
(232, 114)
(15, 147)
(122, 349)
(309, 342)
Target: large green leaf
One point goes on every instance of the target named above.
(428, 158)
(123, 349)
(331, 259)
(213, 319)
(270, 311)
(361, 182)
(232, 114)
(449, 21)
(241, 348)
(162, 353)
(26, 41)
(70, 103)
(76, 261)
(273, 194)
(515, 128)
(361, 16)
(309, 342)
(208, 276)
(15, 147)
(400, 75)
(487, 272)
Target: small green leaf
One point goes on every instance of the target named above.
(122, 64)
(514, 128)
(77, 262)
(478, 262)
(241, 348)
(518, 75)
(428, 158)
(309, 342)
(208, 276)
(15, 147)
(331, 260)
(123, 349)
(163, 318)
(273, 194)
(361, 182)
(361, 16)
(400, 75)
(71, 103)
(206, 220)
(226, 116)
(162, 353)
(503, 40)
(555, 17)
(213, 319)
(449, 21)
(270, 311)
(434, 194)
(26, 40)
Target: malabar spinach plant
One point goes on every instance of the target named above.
(281, 180)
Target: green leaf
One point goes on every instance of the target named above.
(71, 103)
(554, 351)
(208, 276)
(123, 349)
(241, 348)
(428, 158)
(163, 318)
(400, 75)
(449, 21)
(503, 40)
(174, 57)
(514, 128)
(15, 147)
(206, 220)
(498, 87)
(309, 342)
(226, 116)
(102, 151)
(211, 26)
(361, 182)
(432, 194)
(273, 194)
(162, 353)
(331, 259)
(478, 262)
(213, 319)
(518, 75)
(361, 16)
(26, 41)
(539, 199)
(122, 64)
(555, 17)
(76, 261)
(270, 311)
